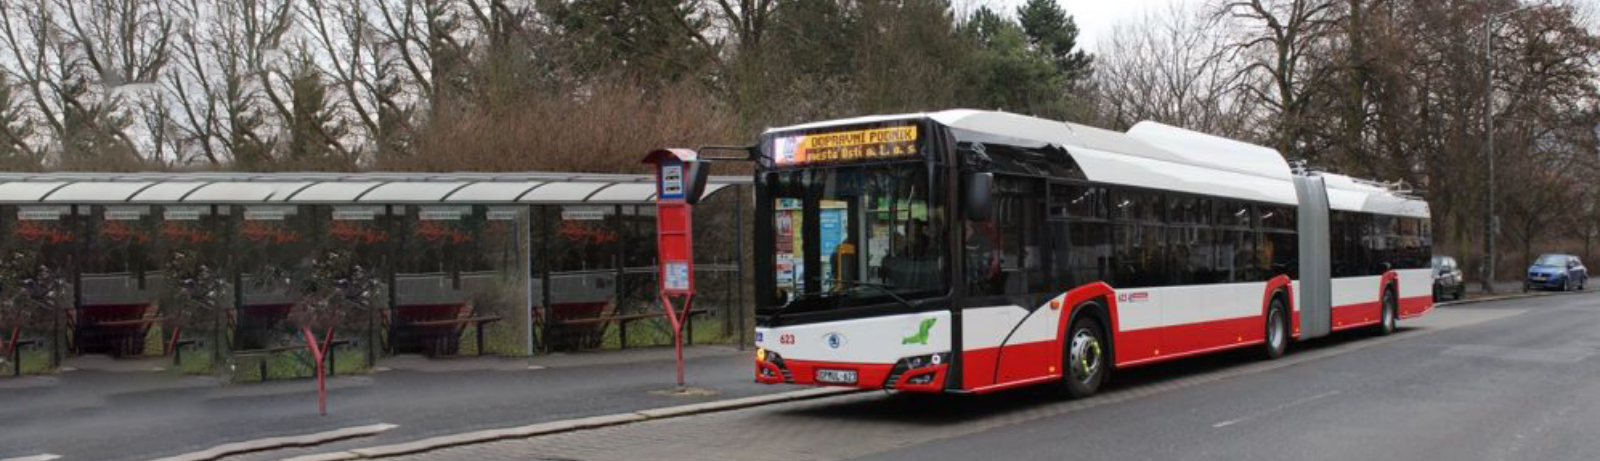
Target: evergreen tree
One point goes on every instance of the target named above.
(313, 130)
(1008, 74)
(662, 40)
(1052, 32)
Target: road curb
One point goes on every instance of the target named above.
(554, 427)
(1507, 297)
(272, 443)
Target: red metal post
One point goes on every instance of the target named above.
(172, 344)
(316, 354)
(674, 239)
(13, 344)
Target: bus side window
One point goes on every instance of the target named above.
(1035, 243)
(1001, 251)
(1141, 252)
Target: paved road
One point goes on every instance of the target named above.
(113, 416)
(1510, 380)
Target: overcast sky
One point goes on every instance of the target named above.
(1096, 18)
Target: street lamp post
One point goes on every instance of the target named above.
(1490, 229)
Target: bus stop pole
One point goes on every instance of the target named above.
(738, 244)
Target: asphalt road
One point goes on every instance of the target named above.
(1507, 380)
(1523, 387)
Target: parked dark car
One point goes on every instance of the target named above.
(1556, 272)
(1447, 279)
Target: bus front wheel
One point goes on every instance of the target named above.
(1086, 356)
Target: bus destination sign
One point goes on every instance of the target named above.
(846, 146)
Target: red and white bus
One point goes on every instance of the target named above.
(972, 251)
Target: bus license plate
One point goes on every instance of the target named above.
(836, 376)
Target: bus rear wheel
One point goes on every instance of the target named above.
(1391, 313)
(1277, 338)
(1086, 357)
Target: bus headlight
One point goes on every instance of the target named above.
(918, 368)
(912, 363)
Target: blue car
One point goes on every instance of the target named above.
(1556, 272)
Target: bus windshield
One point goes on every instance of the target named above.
(852, 235)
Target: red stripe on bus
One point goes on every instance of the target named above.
(1030, 362)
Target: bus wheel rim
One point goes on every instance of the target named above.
(1275, 328)
(1086, 355)
(1388, 312)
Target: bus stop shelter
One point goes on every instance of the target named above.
(527, 261)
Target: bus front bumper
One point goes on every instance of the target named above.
(916, 374)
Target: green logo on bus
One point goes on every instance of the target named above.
(922, 333)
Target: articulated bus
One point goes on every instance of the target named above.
(971, 251)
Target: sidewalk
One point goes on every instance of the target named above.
(1500, 288)
(106, 415)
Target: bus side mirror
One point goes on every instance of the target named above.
(980, 196)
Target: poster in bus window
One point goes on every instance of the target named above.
(833, 223)
(783, 224)
(784, 265)
(832, 234)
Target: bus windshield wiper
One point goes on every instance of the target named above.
(882, 287)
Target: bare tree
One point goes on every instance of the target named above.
(17, 151)
(429, 48)
(369, 78)
(1173, 68)
(40, 66)
(748, 21)
(1279, 39)
(117, 49)
(162, 145)
(218, 86)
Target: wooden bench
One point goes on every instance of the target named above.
(131, 343)
(435, 329)
(476, 322)
(256, 326)
(16, 353)
(266, 354)
(118, 330)
(177, 349)
(623, 319)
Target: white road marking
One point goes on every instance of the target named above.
(38, 457)
(1275, 409)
